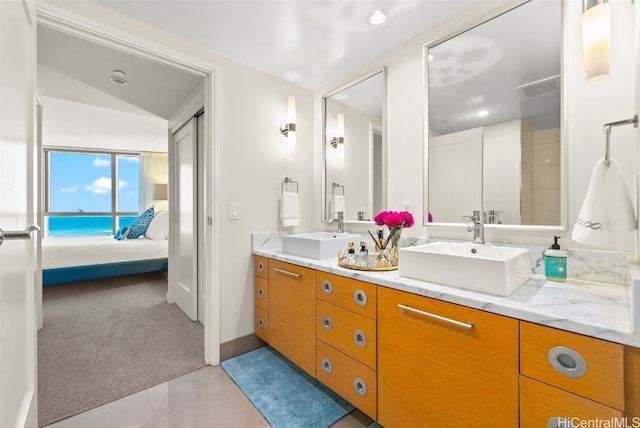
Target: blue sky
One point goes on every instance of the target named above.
(83, 182)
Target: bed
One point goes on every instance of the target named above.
(86, 258)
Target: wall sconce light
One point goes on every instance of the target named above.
(289, 128)
(338, 141)
(596, 38)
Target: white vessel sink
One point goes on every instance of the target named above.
(485, 268)
(317, 245)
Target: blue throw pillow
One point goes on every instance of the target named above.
(122, 233)
(140, 224)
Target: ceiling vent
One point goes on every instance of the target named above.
(541, 87)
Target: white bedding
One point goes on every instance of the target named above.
(67, 252)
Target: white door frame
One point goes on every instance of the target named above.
(78, 26)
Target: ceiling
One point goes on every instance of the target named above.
(310, 43)
(307, 42)
(77, 70)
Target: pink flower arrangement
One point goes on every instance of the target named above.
(394, 219)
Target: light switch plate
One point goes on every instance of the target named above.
(234, 211)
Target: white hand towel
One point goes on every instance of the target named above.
(290, 209)
(607, 207)
(337, 203)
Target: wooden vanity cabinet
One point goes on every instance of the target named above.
(292, 313)
(435, 373)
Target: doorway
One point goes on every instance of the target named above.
(209, 303)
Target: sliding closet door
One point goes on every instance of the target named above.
(186, 264)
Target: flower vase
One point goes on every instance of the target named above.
(393, 252)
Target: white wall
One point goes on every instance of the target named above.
(588, 106)
(71, 124)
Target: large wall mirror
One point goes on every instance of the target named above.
(495, 140)
(354, 151)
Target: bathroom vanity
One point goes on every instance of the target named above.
(483, 360)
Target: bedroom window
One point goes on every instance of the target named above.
(90, 193)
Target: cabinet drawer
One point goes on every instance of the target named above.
(351, 333)
(350, 379)
(261, 267)
(357, 296)
(542, 348)
(261, 324)
(540, 402)
(435, 373)
(261, 293)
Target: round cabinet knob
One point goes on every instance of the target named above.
(360, 387)
(261, 324)
(327, 366)
(360, 297)
(360, 338)
(326, 323)
(260, 267)
(567, 362)
(327, 288)
(260, 293)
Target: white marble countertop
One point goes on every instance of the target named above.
(594, 309)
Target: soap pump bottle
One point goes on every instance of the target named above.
(555, 262)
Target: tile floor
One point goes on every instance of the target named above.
(204, 398)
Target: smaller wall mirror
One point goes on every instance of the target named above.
(494, 140)
(354, 152)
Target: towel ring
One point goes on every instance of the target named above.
(333, 188)
(288, 180)
(607, 132)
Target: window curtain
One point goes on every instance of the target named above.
(153, 170)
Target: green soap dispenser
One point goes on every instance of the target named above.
(555, 262)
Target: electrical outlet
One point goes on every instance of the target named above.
(407, 205)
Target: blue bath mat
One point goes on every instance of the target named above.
(285, 395)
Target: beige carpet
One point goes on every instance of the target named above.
(103, 340)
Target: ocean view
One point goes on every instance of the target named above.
(62, 227)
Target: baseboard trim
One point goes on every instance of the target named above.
(240, 346)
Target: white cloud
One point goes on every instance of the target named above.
(132, 159)
(101, 163)
(101, 186)
(69, 189)
(121, 184)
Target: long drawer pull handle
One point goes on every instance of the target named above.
(464, 325)
(286, 272)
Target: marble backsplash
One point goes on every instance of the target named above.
(587, 265)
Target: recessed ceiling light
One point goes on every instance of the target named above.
(483, 113)
(118, 78)
(377, 17)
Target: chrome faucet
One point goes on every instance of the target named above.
(477, 226)
(340, 220)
